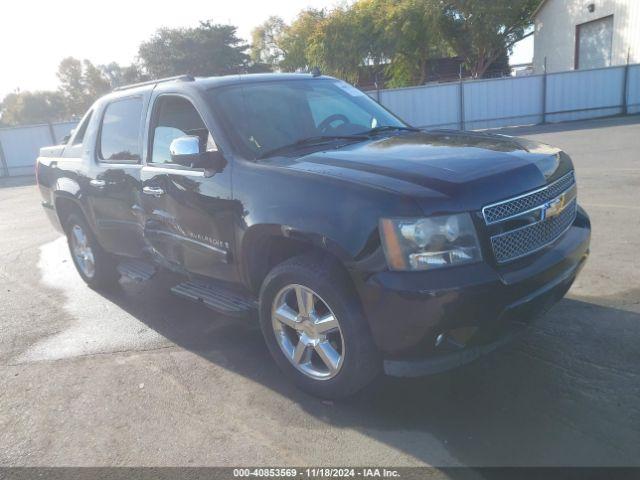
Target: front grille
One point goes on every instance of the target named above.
(549, 211)
(531, 238)
(501, 211)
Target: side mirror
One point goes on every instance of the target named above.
(185, 151)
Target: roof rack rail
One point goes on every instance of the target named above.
(184, 78)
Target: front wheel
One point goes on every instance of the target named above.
(96, 267)
(314, 327)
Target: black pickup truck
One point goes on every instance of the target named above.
(362, 244)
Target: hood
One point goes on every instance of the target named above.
(443, 170)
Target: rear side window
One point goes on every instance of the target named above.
(120, 131)
(82, 129)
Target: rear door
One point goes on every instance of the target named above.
(188, 213)
(115, 177)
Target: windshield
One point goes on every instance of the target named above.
(265, 116)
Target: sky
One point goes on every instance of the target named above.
(36, 35)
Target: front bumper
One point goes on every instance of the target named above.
(434, 320)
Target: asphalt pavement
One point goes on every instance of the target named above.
(140, 377)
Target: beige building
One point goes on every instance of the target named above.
(582, 34)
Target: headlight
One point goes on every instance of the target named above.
(426, 243)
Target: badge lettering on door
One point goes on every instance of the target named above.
(214, 242)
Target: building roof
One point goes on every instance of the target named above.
(538, 8)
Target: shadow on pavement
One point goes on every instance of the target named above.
(21, 181)
(564, 394)
(569, 126)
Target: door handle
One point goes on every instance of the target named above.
(98, 183)
(155, 191)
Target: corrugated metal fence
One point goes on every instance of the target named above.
(502, 102)
(19, 146)
(475, 104)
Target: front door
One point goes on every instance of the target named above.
(188, 213)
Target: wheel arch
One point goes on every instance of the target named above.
(65, 205)
(265, 246)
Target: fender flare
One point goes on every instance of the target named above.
(256, 241)
(68, 191)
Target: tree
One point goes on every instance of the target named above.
(95, 81)
(401, 35)
(209, 49)
(118, 75)
(412, 36)
(338, 41)
(265, 42)
(26, 108)
(72, 85)
(81, 83)
(342, 42)
(484, 31)
(294, 39)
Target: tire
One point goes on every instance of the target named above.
(96, 267)
(333, 297)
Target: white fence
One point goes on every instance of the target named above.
(502, 102)
(555, 97)
(19, 146)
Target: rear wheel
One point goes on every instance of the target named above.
(96, 267)
(314, 327)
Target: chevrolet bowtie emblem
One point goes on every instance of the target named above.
(554, 207)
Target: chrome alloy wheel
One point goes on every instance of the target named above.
(308, 332)
(82, 251)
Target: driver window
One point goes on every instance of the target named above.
(177, 117)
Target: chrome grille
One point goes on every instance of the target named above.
(526, 240)
(498, 212)
(550, 211)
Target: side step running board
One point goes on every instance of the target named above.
(217, 297)
(136, 270)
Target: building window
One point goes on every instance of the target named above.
(593, 43)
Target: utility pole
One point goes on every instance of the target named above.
(461, 95)
(4, 167)
(544, 91)
(625, 85)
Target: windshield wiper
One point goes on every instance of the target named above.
(307, 142)
(385, 128)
